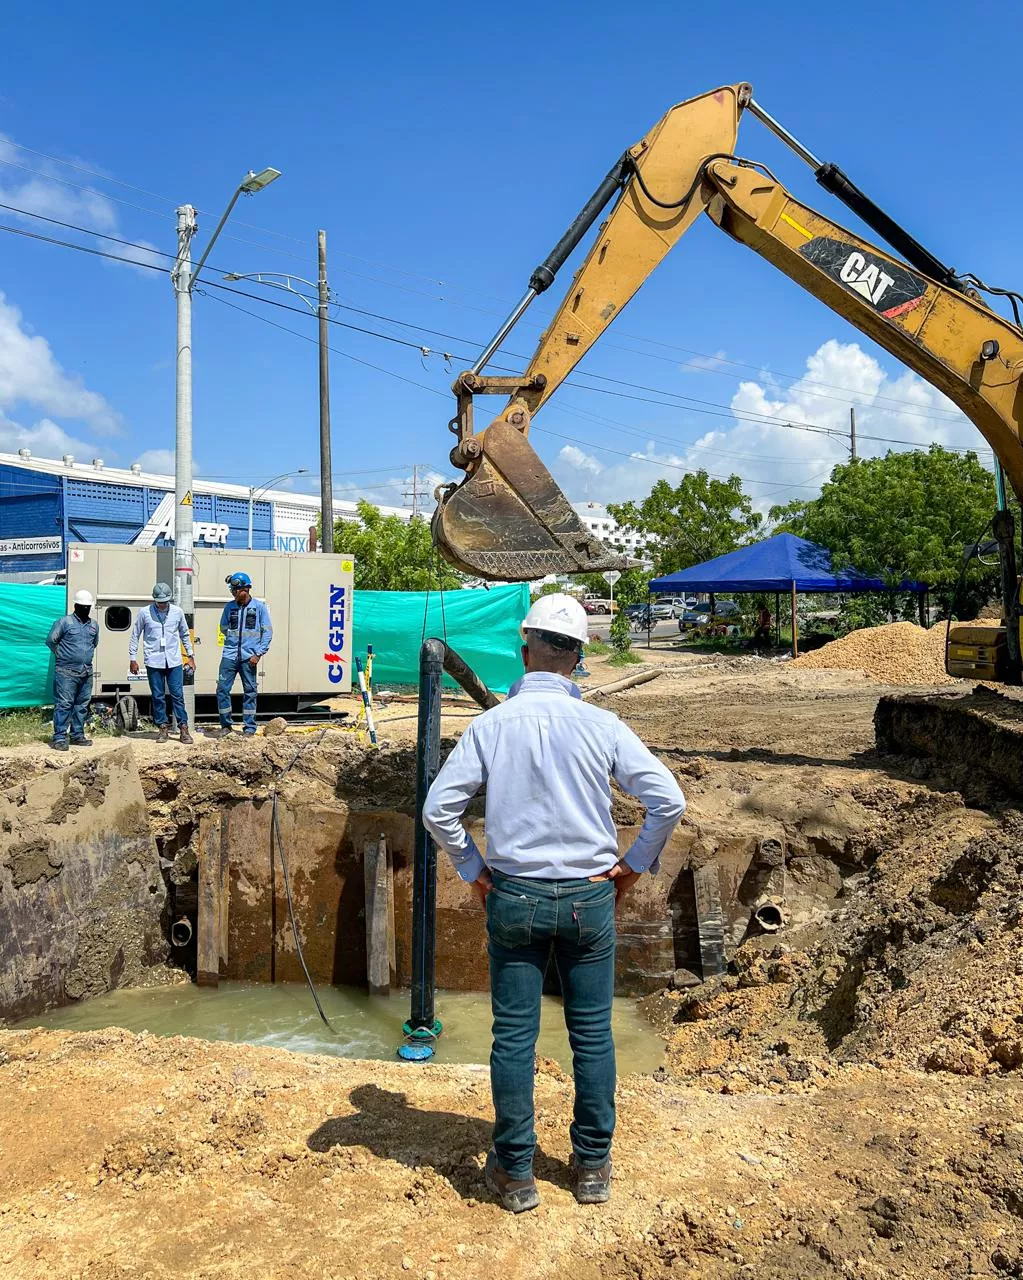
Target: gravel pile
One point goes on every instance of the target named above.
(898, 653)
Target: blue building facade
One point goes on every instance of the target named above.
(41, 512)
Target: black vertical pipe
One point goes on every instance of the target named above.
(424, 867)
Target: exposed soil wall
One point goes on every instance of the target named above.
(81, 894)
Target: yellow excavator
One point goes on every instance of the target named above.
(509, 520)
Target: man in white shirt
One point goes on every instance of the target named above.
(551, 878)
(164, 633)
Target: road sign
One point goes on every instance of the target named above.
(611, 576)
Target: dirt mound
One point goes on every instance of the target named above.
(898, 653)
(915, 965)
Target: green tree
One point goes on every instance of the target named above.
(903, 516)
(621, 640)
(696, 520)
(392, 554)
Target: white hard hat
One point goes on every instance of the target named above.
(559, 614)
(84, 597)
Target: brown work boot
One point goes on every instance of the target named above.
(516, 1194)
(185, 736)
(593, 1186)
(163, 734)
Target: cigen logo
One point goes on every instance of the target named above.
(335, 634)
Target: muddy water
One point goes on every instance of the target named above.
(285, 1017)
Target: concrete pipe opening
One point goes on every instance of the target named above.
(769, 916)
(181, 932)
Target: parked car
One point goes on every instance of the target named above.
(697, 617)
(633, 610)
(594, 604)
(663, 609)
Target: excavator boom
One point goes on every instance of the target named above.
(509, 519)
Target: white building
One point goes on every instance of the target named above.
(598, 521)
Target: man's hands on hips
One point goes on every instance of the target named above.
(482, 886)
(624, 878)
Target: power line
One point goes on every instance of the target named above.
(66, 244)
(543, 430)
(688, 401)
(950, 414)
(910, 410)
(711, 408)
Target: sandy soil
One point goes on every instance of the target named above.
(154, 1158)
(845, 1102)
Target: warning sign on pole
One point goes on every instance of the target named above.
(186, 501)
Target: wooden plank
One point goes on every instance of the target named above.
(207, 969)
(710, 920)
(225, 887)
(392, 955)
(378, 949)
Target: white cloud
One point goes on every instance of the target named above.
(779, 462)
(30, 374)
(574, 457)
(46, 192)
(705, 364)
(161, 462)
(45, 440)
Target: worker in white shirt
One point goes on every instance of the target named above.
(551, 878)
(162, 628)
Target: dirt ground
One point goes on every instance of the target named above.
(844, 1102)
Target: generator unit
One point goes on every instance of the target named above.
(309, 597)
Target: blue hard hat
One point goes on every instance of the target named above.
(238, 580)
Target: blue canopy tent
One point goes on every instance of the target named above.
(782, 563)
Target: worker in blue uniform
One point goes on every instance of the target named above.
(247, 631)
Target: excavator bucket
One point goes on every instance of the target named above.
(509, 521)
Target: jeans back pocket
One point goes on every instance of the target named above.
(510, 917)
(595, 916)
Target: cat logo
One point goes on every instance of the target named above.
(865, 277)
(888, 287)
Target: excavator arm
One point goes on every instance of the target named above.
(508, 518)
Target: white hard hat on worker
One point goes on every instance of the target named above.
(558, 615)
(84, 598)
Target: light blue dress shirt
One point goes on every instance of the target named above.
(162, 634)
(546, 758)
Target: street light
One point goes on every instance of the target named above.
(183, 280)
(322, 303)
(255, 490)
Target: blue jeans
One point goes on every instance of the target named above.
(164, 681)
(72, 689)
(229, 668)
(525, 920)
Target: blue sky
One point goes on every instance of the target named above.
(444, 148)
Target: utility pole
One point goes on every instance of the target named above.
(183, 279)
(852, 433)
(326, 474)
(413, 493)
(183, 506)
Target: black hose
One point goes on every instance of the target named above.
(959, 583)
(275, 827)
